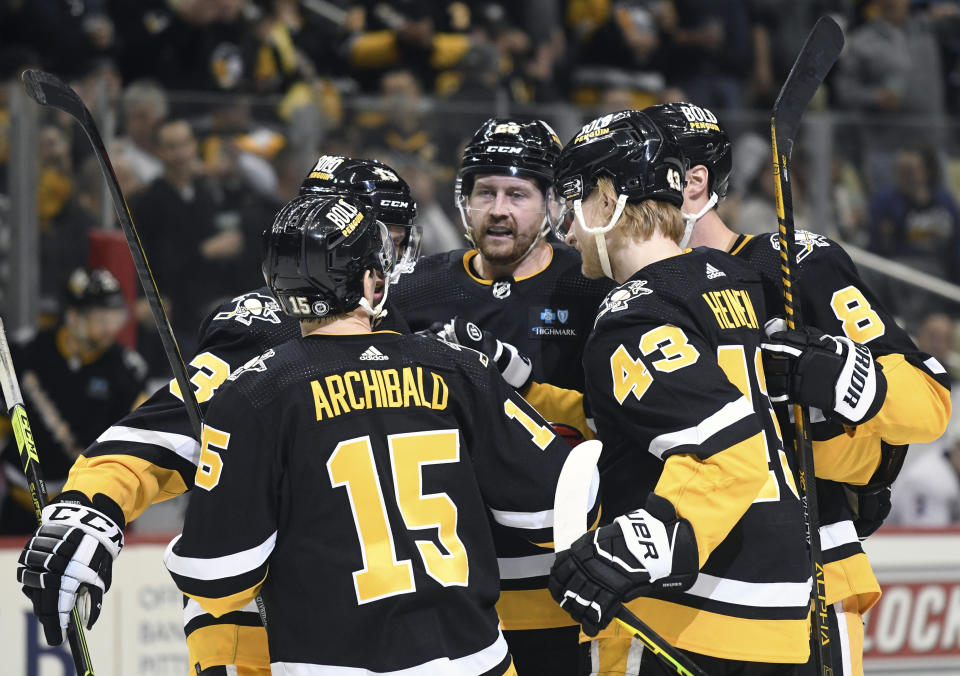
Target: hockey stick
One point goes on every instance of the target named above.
(817, 56)
(38, 489)
(570, 507)
(48, 90)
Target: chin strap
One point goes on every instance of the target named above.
(690, 220)
(599, 233)
(379, 312)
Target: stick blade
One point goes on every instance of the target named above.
(572, 499)
(49, 90)
(819, 52)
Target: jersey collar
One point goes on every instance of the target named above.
(739, 243)
(470, 254)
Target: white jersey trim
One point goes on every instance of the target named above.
(731, 413)
(519, 567)
(544, 519)
(193, 610)
(468, 665)
(838, 534)
(218, 567)
(184, 446)
(755, 594)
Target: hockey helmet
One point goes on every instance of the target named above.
(96, 288)
(380, 187)
(317, 251)
(511, 147)
(701, 138)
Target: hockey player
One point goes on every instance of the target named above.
(150, 455)
(364, 465)
(527, 292)
(704, 532)
(76, 379)
(863, 446)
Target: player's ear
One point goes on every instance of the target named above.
(369, 285)
(698, 181)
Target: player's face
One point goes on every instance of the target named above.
(505, 214)
(585, 242)
(97, 328)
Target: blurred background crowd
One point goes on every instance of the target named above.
(214, 111)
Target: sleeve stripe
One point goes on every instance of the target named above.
(731, 413)
(544, 519)
(935, 366)
(519, 567)
(193, 610)
(218, 567)
(838, 534)
(757, 594)
(184, 446)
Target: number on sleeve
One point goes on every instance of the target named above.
(210, 464)
(860, 322)
(542, 434)
(211, 372)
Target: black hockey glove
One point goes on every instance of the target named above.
(832, 373)
(515, 368)
(68, 561)
(644, 551)
(871, 509)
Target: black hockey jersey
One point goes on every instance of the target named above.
(349, 480)
(546, 316)
(676, 386)
(151, 455)
(834, 299)
(69, 401)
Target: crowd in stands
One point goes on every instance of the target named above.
(221, 106)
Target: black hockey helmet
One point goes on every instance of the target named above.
(508, 146)
(628, 147)
(317, 251)
(96, 288)
(379, 186)
(701, 138)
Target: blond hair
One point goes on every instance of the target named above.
(640, 220)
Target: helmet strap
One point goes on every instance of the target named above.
(599, 233)
(377, 312)
(690, 220)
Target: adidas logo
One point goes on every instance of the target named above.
(373, 354)
(713, 273)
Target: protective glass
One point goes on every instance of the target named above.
(408, 251)
(562, 220)
(387, 255)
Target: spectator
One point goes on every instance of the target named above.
(937, 337)
(927, 493)
(76, 380)
(891, 68)
(916, 221)
(144, 107)
(178, 218)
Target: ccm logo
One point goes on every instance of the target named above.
(513, 150)
(394, 203)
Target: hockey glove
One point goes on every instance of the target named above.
(68, 561)
(871, 508)
(515, 368)
(831, 373)
(644, 551)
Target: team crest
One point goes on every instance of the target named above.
(252, 306)
(501, 290)
(805, 242)
(618, 299)
(256, 364)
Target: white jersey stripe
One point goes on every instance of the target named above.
(756, 594)
(184, 446)
(731, 413)
(193, 610)
(544, 519)
(468, 665)
(218, 567)
(519, 567)
(837, 534)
